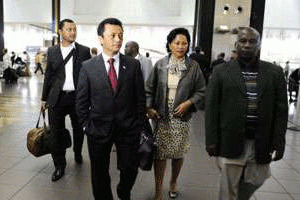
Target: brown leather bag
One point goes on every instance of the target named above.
(38, 139)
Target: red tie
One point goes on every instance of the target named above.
(112, 75)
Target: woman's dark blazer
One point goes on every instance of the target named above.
(191, 86)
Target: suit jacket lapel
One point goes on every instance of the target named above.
(237, 76)
(75, 54)
(58, 56)
(261, 81)
(102, 70)
(122, 73)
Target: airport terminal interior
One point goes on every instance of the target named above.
(25, 177)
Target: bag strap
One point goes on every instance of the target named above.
(42, 112)
(69, 56)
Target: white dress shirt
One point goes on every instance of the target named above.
(69, 82)
(116, 63)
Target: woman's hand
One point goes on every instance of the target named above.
(152, 114)
(183, 108)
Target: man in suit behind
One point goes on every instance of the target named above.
(59, 93)
(132, 49)
(111, 106)
(203, 61)
(246, 118)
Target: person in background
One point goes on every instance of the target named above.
(203, 61)
(287, 69)
(233, 55)
(9, 74)
(38, 62)
(246, 118)
(94, 52)
(26, 60)
(147, 55)
(174, 90)
(132, 49)
(220, 60)
(293, 85)
(64, 62)
(6, 60)
(111, 108)
(13, 58)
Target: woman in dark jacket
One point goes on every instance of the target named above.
(175, 89)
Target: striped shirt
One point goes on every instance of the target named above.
(250, 75)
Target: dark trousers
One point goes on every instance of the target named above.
(57, 115)
(127, 161)
(38, 67)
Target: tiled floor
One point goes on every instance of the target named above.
(24, 177)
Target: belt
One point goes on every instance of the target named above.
(68, 91)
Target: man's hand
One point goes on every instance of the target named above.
(44, 105)
(212, 150)
(152, 114)
(183, 108)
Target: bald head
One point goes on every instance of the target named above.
(249, 31)
(131, 48)
(248, 43)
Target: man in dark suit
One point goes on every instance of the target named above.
(219, 60)
(59, 88)
(111, 108)
(246, 118)
(132, 49)
(203, 61)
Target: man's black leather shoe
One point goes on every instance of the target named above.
(58, 174)
(78, 158)
(121, 194)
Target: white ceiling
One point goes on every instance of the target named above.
(278, 13)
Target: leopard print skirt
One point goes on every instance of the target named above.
(172, 137)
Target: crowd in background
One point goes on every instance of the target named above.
(166, 94)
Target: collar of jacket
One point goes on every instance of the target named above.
(188, 60)
(252, 64)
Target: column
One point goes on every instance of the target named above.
(55, 21)
(257, 15)
(204, 25)
(195, 29)
(1, 29)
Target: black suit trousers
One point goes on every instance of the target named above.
(127, 162)
(57, 115)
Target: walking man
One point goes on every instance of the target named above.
(59, 93)
(246, 118)
(111, 105)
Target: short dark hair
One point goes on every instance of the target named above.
(172, 35)
(94, 50)
(136, 45)
(62, 23)
(243, 30)
(197, 48)
(222, 55)
(113, 21)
